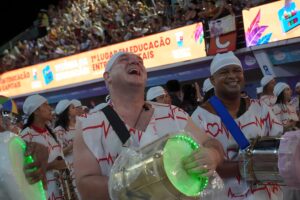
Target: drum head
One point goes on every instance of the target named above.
(177, 148)
(16, 149)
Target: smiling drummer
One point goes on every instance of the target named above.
(254, 119)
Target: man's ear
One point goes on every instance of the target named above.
(106, 76)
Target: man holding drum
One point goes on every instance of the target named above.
(254, 118)
(99, 145)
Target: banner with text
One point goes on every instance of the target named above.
(177, 45)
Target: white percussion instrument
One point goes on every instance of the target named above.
(272, 160)
(155, 172)
(13, 183)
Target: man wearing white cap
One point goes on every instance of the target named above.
(97, 148)
(285, 111)
(158, 94)
(267, 83)
(227, 77)
(39, 114)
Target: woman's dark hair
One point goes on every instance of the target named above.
(63, 119)
(208, 94)
(30, 121)
(280, 98)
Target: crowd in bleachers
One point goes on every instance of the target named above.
(79, 25)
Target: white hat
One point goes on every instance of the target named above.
(297, 85)
(279, 87)
(62, 106)
(76, 103)
(98, 107)
(154, 92)
(259, 90)
(207, 85)
(266, 79)
(32, 103)
(223, 60)
(112, 60)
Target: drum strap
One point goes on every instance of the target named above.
(116, 123)
(229, 122)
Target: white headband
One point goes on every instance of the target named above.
(279, 87)
(62, 106)
(112, 60)
(297, 85)
(32, 103)
(265, 80)
(207, 85)
(154, 92)
(223, 60)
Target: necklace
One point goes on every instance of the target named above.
(139, 116)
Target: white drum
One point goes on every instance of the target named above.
(273, 159)
(13, 183)
(155, 172)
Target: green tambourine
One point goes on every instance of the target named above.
(177, 148)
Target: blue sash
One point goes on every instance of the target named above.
(229, 122)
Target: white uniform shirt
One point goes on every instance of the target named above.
(269, 100)
(258, 120)
(105, 144)
(42, 136)
(285, 113)
(66, 138)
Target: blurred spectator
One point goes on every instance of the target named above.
(190, 98)
(175, 92)
(158, 94)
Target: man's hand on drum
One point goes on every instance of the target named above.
(202, 161)
(36, 171)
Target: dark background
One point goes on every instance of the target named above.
(17, 16)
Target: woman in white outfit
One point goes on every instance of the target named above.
(283, 110)
(36, 130)
(66, 128)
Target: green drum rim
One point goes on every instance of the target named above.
(17, 145)
(175, 149)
